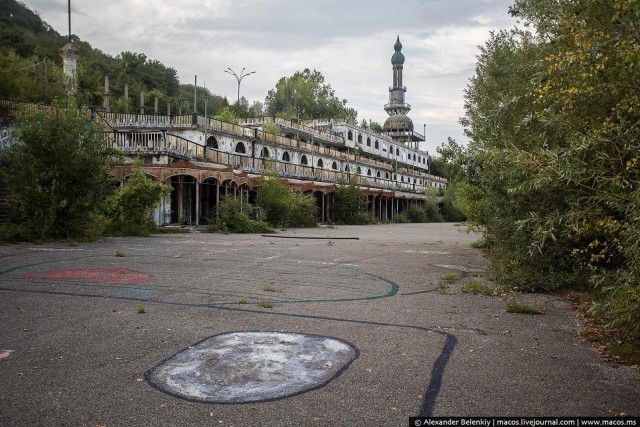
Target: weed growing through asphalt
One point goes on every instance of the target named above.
(265, 304)
(120, 254)
(269, 288)
(449, 276)
(141, 309)
(477, 288)
(482, 243)
(242, 301)
(441, 288)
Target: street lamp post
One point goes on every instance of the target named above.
(238, 78)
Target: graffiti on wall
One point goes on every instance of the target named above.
(6, 139)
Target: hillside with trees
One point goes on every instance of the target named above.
(31, 69)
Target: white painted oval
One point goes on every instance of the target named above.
(243, 367)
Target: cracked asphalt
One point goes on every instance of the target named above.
(83, 325)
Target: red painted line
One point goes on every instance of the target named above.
(101, 275)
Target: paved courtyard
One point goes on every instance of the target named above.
(316, 327)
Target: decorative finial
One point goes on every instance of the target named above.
(398, 57)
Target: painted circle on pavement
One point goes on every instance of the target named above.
(248, 367)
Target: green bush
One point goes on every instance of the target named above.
(349, 204)
(432, 213)
(401, 218)
(232, 215)
(416, 214)
(552, 166)
(284, 207)
(57, 175)
(131, 206)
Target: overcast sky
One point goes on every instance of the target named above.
(349, 41)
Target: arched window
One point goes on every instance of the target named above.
(286, 157)
(386, 175)
(414, 157)
(240, 148)
(347, 168)
(378, 174)
(303, 160)
(212, 142)
(376, 145)
(402, 179)
(320, 163)
(358, 170)
(350, 136)
(334, 166)
(368, 172)
(419, 159)
(397, 151)
(368, 142)
(360, 138)
(265, 152)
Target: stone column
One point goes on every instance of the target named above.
(106, 94)
(126, 97)
(197, 202)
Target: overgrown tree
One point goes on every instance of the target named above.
(349, 204)
(283, 206)
(305, 95)
(131, 205)
(57, 174)
(553, 115)
(228, 115)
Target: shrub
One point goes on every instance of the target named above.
(349, 204)
(232, 215)
(132, 204)
(57, 175)
(401, 218)
(416, 214)
(284, 207)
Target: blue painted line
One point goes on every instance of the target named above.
(139, 292)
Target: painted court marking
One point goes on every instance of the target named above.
(250, 367)
(5, 353)
(101, 275)
(115, 275)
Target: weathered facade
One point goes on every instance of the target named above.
(204, 159)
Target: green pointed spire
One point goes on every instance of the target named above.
(398, 57)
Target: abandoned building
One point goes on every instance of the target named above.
(204, 159)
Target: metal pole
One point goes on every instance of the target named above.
(195, 87)
(206, 126)
(238, 78)
(69, 3)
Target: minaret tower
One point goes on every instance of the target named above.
(396, 103)
(398, 125)
(69, 57)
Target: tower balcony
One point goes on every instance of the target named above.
(397, 106)
(392, 88)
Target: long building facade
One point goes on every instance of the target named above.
(204, 159)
